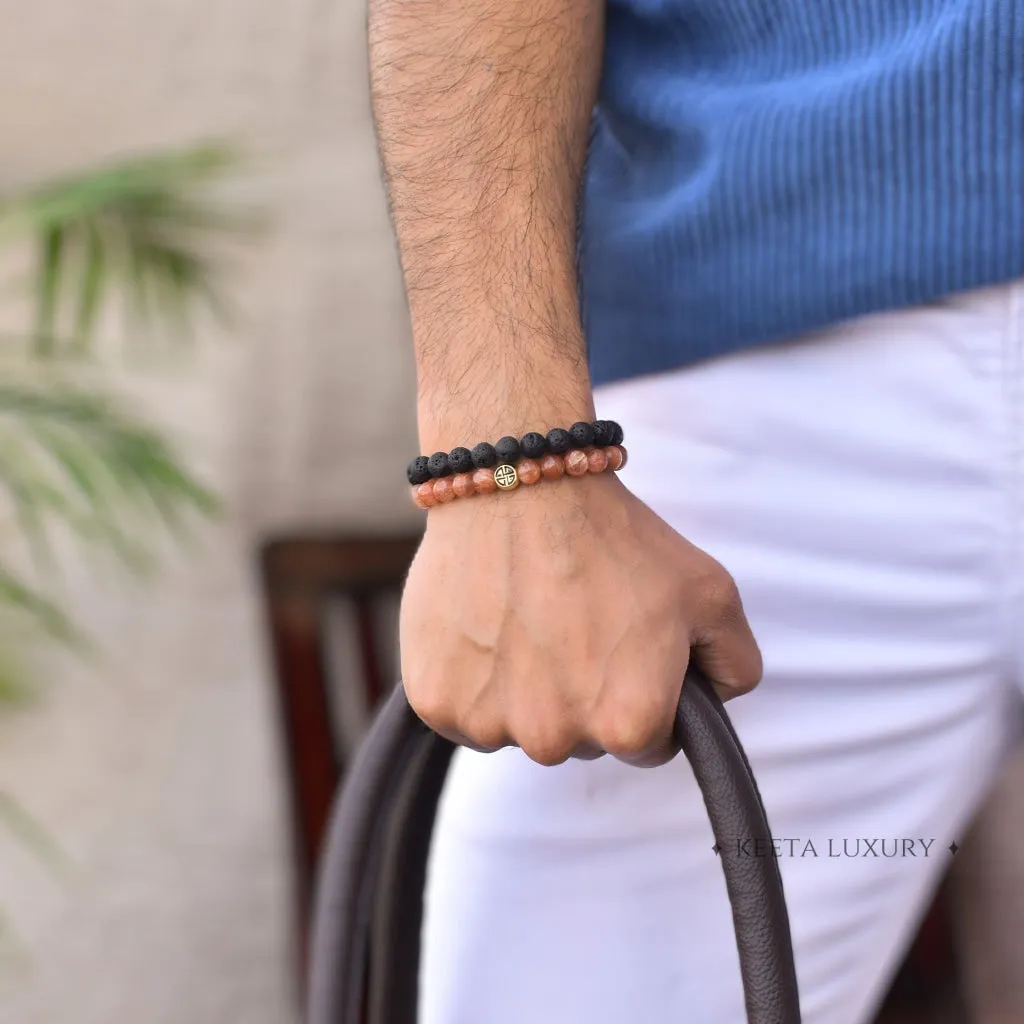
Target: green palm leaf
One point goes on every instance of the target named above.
(79, 457)
(74, 458)
(139, 228)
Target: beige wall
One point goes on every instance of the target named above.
(157, 768)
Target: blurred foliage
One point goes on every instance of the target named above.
(139, 229)
(136, 238)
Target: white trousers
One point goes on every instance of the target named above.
(865, 486)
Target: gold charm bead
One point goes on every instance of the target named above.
(506, 477)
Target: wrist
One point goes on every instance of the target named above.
(481, 376)
(491, 402)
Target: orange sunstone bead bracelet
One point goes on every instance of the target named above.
(506, 477)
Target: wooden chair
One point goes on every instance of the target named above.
(331, 605)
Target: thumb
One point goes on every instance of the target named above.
(723, 644)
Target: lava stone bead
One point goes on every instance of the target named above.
(559, 441)
(533, 445)
(582, 434)
(460, 460)
(419, 471)
(617, 435)
(602, 433)
(507, 450)
(438, 465)
(484, 455)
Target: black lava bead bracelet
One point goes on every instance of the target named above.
(532, 445)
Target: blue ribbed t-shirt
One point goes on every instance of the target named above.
(763, 168)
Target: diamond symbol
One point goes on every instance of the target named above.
(953, 848)
(717, 849)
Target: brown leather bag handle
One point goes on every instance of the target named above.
(375, 861)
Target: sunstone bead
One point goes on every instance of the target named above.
(423, 495)
(462, 484)
(597, 461)
(614, 456)
(576, 462)
(483, 481)
(529, 471)
(552, 467)
(443, 490)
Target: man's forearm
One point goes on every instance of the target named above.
(482, 110)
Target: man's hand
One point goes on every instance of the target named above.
(561, 618)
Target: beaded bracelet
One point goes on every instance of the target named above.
(600, 434)
(507, 477)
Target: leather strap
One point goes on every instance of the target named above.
(374, 865)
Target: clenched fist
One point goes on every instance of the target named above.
(561, 618)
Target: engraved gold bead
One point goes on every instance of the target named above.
(506, 477)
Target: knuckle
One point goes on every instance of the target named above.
(716, 592)
(550, 747)
(721, 592)
(627, 735)
(431, 703)
(483, 729)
